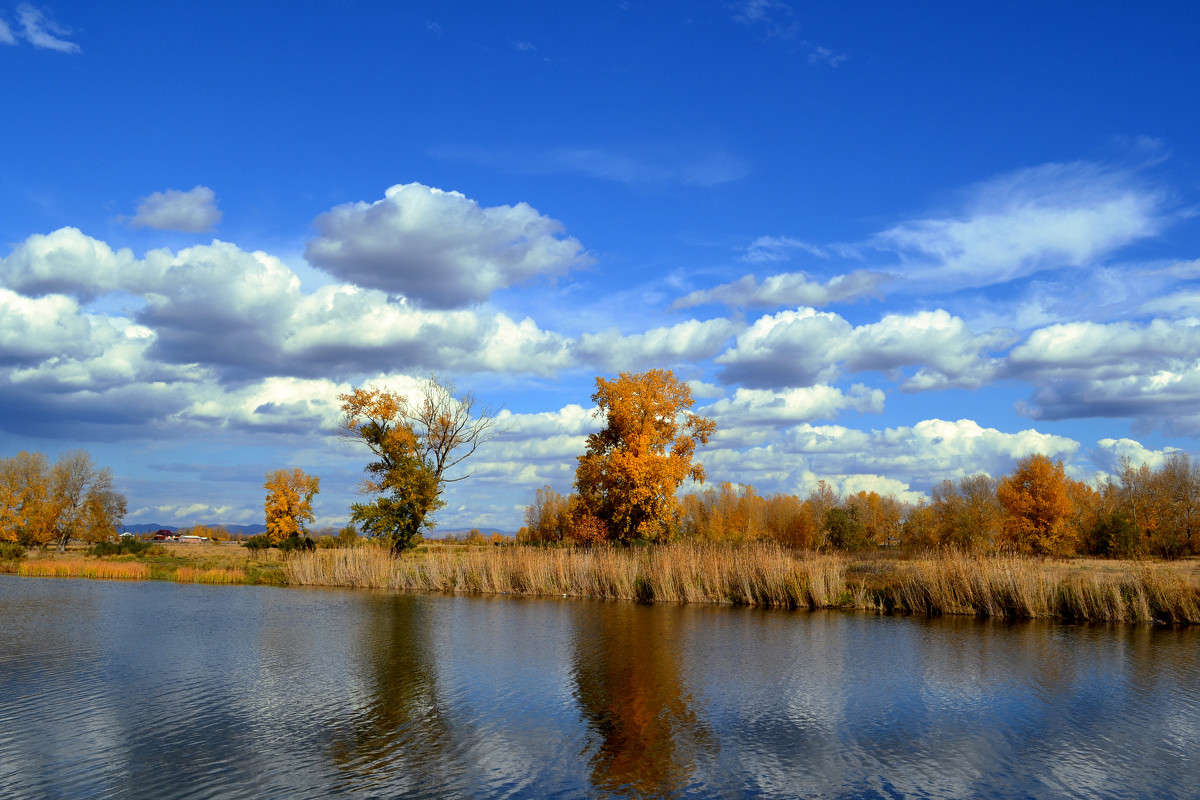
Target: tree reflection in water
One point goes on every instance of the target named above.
(629, 688)
(401, 736)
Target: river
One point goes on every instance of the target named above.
(158, 690)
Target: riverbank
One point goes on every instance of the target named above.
(214, 563)
(1083, 590)
(1009, 587)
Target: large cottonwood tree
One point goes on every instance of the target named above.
(416, 443)
(633, 466)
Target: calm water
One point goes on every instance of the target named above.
(156, 690)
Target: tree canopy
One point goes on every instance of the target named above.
(632, 468)
(43, 503)
(415, 445)
(288, 505)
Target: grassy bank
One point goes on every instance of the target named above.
(181, 563)
(1084, 590)
(768, 575)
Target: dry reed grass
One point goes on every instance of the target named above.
(760, 574)
(1026, 588)
(104, 570)
(194, 575)
(768, 575)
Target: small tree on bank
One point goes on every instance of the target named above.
(288, 505)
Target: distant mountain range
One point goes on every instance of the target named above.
(252, 530)
(151, 527)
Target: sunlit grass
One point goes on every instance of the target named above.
(768, 575)
(92, 568)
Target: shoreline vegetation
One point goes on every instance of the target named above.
(756, 574)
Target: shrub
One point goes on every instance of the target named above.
(11, 551)
(256, 543)
(296, 544)
(127, 545)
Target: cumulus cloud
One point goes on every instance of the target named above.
(788, 289)
(790, 348)
(804, 347)
(42, 31)
(438, 248)
(691, 340)
(910, 456)
(1150, 372)
(193, 211)
(790, 406)
(246, 314)
(1046, 217)
(66, 262)
(1108, 453)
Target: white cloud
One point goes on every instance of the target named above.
(36, 329)
(823, 55)
(804, 347)
(1108, 454)
(751, 407)
(440, 248)
(790, 348)
(773, 17)
(1150, 372)
(67, 262)
(766, 249)
(193, 211)
(6, 34)
(902, 457)
(691, 340)
(1055, 215)
(788, 289)
(43, 32)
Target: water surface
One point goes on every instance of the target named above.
(157, 690)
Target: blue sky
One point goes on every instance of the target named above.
(886, 243)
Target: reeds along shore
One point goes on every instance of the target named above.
(769, 575)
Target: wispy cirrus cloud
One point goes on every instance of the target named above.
(1015, 225)
(649, 164)
(40, 30)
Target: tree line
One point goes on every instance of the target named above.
(626, 489)
(44, 503)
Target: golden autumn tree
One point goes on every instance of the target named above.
(1037, 507)
(632, 468)
(72, 498)
(288, 505)
(26, 515)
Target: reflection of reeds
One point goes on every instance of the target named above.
(769, 575)
(107, 570)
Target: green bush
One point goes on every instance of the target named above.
(256, 543)
(296, 543)
(126, 545)
(11, 551)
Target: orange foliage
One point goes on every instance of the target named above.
(289, 502)
(1037, 506)
(632, 468)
